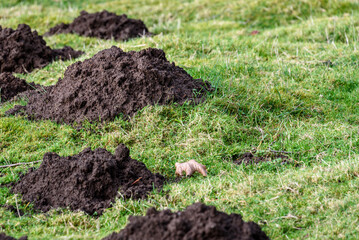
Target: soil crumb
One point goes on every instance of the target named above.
(88, 181)
(115, 82)
(3, 236)
(197, 221)
(104, 25)
(11, 86)
(250, 158)
(22, 50)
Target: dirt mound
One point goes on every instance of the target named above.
(3, 236)
(197, 221)
(11, 86)
(114, 82)
(103, 25)
(253, 158)
(88, 181)
(22, 50)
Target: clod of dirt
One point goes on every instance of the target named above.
(249, 158)
(88, 181)
(22, 50)
(11, 86)
(104, 25)
(197, 221)
(3, 236)
(115, 82)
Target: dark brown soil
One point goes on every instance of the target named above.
(22, 50)
(251, 158)
(3, 236)
(104, 25)
(88, 181)
(11, 86)
(115, 82)
(16, 110)
(196, 222)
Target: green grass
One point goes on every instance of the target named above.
(273, 90)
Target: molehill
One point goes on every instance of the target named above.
(11, 86)
(197, 221)
(22, 50)
(104, 25)
(88, 181)
(115, 82)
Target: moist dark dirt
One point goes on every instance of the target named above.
(104, 25)
(22, 50)
(253, 158)
(196, 222)
(16, 110)
(3, 236)
(115, 82)
(11, 86)
(88, 181)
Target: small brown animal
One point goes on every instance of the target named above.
(190, 167)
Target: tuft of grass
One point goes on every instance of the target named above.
(292, 87)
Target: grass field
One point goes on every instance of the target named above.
(273, 91)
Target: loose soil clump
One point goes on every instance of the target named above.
(115, 82)
(22, 50)
(11, 86)
(3, 236)
(88, 181)
(104, 25)
(250, 158)
(196, 222)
